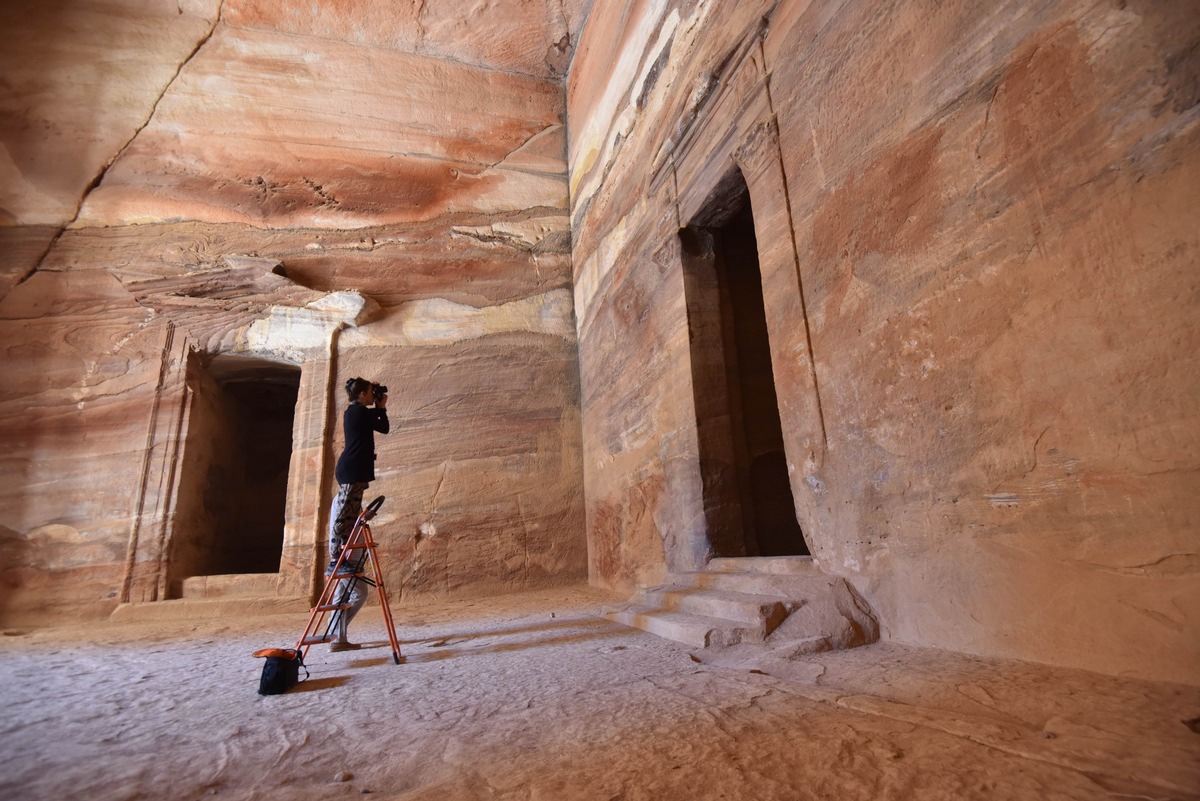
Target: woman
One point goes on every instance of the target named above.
(355, 471)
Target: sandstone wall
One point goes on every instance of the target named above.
(379, 190)
(977, 232)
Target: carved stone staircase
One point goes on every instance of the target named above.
(748, 600)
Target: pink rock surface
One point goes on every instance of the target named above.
(503, 35)
(80, 80)
(976, 234)
(280, 131)
(183, 182)
(975, 228)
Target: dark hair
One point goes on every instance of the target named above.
(356, 387)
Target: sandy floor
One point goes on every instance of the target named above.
(535, 697)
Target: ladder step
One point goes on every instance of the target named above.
(315, 640)
(350, 565)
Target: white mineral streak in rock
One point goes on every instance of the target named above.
(597, 142)
(525, 233)
(350, 307)
(591, 276)
(293, 333)
(437, 321)
(586, 281)
(625, 83)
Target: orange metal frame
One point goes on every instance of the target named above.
(362, 543)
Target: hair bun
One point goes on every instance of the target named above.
(350, 383)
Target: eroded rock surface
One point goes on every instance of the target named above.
(977, 240)
(186, 181)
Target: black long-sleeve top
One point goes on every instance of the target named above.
(357, 463)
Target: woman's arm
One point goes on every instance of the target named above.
(379, 420)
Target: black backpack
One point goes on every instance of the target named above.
(281, 672)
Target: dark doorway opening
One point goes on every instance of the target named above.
(234, 470)
(748, 502)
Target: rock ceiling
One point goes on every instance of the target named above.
(274, 115)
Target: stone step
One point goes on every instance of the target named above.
(754, 610)
(787, 585)
(695, 631)
(234, 585)
(776, 565)
(209, 608)
(747, 600)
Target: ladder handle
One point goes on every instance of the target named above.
(370, 511)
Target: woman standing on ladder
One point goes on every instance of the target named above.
(355, 471)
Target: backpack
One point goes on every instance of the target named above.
(281, 672)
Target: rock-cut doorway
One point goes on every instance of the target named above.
(234, 468)
(748, 502)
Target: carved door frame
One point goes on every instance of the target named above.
(704, 155)
(146, 571)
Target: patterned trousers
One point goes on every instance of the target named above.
(347, 506)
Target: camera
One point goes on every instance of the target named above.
(378, 391)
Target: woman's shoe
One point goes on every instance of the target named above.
(344, 646)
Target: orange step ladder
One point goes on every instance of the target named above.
(359, 549)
